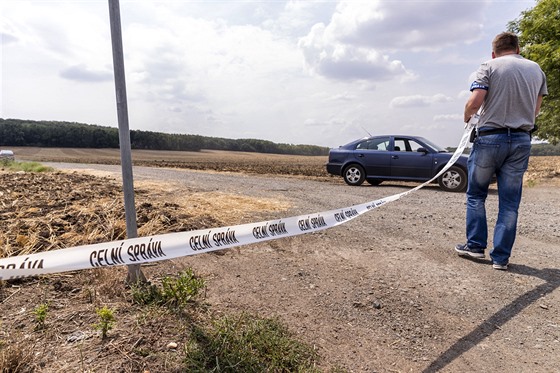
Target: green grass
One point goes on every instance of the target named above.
(24, 166)
(531, 183)
(176, 291)
(247, 343)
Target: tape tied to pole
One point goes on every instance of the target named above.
(174, 245)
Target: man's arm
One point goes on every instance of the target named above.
(538, 108)
(474, 103)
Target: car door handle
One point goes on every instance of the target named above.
(394, 157)
(360, 155)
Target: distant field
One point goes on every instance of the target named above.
(540, 168)
(213, 160)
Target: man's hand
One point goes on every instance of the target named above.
(473, 121)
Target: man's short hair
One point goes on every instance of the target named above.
(505, 42)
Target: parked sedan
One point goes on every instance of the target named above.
(407, 158)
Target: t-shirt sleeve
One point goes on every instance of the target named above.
(481, 80)
(544, 89)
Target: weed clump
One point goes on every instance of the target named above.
(41, 315)
(25, 166)
(106, 320)
(246, 343)
(174, 292)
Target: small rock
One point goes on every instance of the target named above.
(171, 345)
(77, 336)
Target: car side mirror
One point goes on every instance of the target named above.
(422, 150)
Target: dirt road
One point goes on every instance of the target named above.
(386, 292)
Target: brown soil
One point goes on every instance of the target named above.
(382, 293)
(206, 160)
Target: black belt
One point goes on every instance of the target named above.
(501, 130)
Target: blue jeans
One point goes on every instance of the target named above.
(506, 156)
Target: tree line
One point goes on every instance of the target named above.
(18, 132)
(545, 149)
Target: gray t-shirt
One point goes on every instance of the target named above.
(513, 84)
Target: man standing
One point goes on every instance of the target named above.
(508, 90)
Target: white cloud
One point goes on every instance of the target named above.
(344, 61)
(448, 117)
(418, 100)
(411, 25)
(358, 40)
(85, 74)
(241, 69)
(464, 95)
(68, 32)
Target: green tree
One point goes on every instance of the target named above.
(539, 37)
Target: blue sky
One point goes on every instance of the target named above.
(298, 72)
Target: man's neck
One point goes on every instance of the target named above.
(506, 53)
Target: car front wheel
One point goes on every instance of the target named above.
(453, 180)
(354, 175)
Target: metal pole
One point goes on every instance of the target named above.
(134, 271)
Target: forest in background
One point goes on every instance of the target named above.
(18, 132)
(51, 134)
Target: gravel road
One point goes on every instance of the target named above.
(385, 292)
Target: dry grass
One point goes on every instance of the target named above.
(48, 211)
(16, 358)
(543, 170)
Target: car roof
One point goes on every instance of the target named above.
(381, 136)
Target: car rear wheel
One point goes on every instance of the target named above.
(354, 175)
(453, 180)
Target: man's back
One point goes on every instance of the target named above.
(514, 84)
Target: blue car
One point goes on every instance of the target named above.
(406, 158)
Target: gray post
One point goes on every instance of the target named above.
(134, 271)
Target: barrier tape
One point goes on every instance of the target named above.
(175, 245)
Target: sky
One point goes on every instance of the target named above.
(296, 72)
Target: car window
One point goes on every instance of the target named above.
(400, 145)
(413, 146)
(383, 144)
(380, 143)
(406, 145)
(435, 147)
(364, 145)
